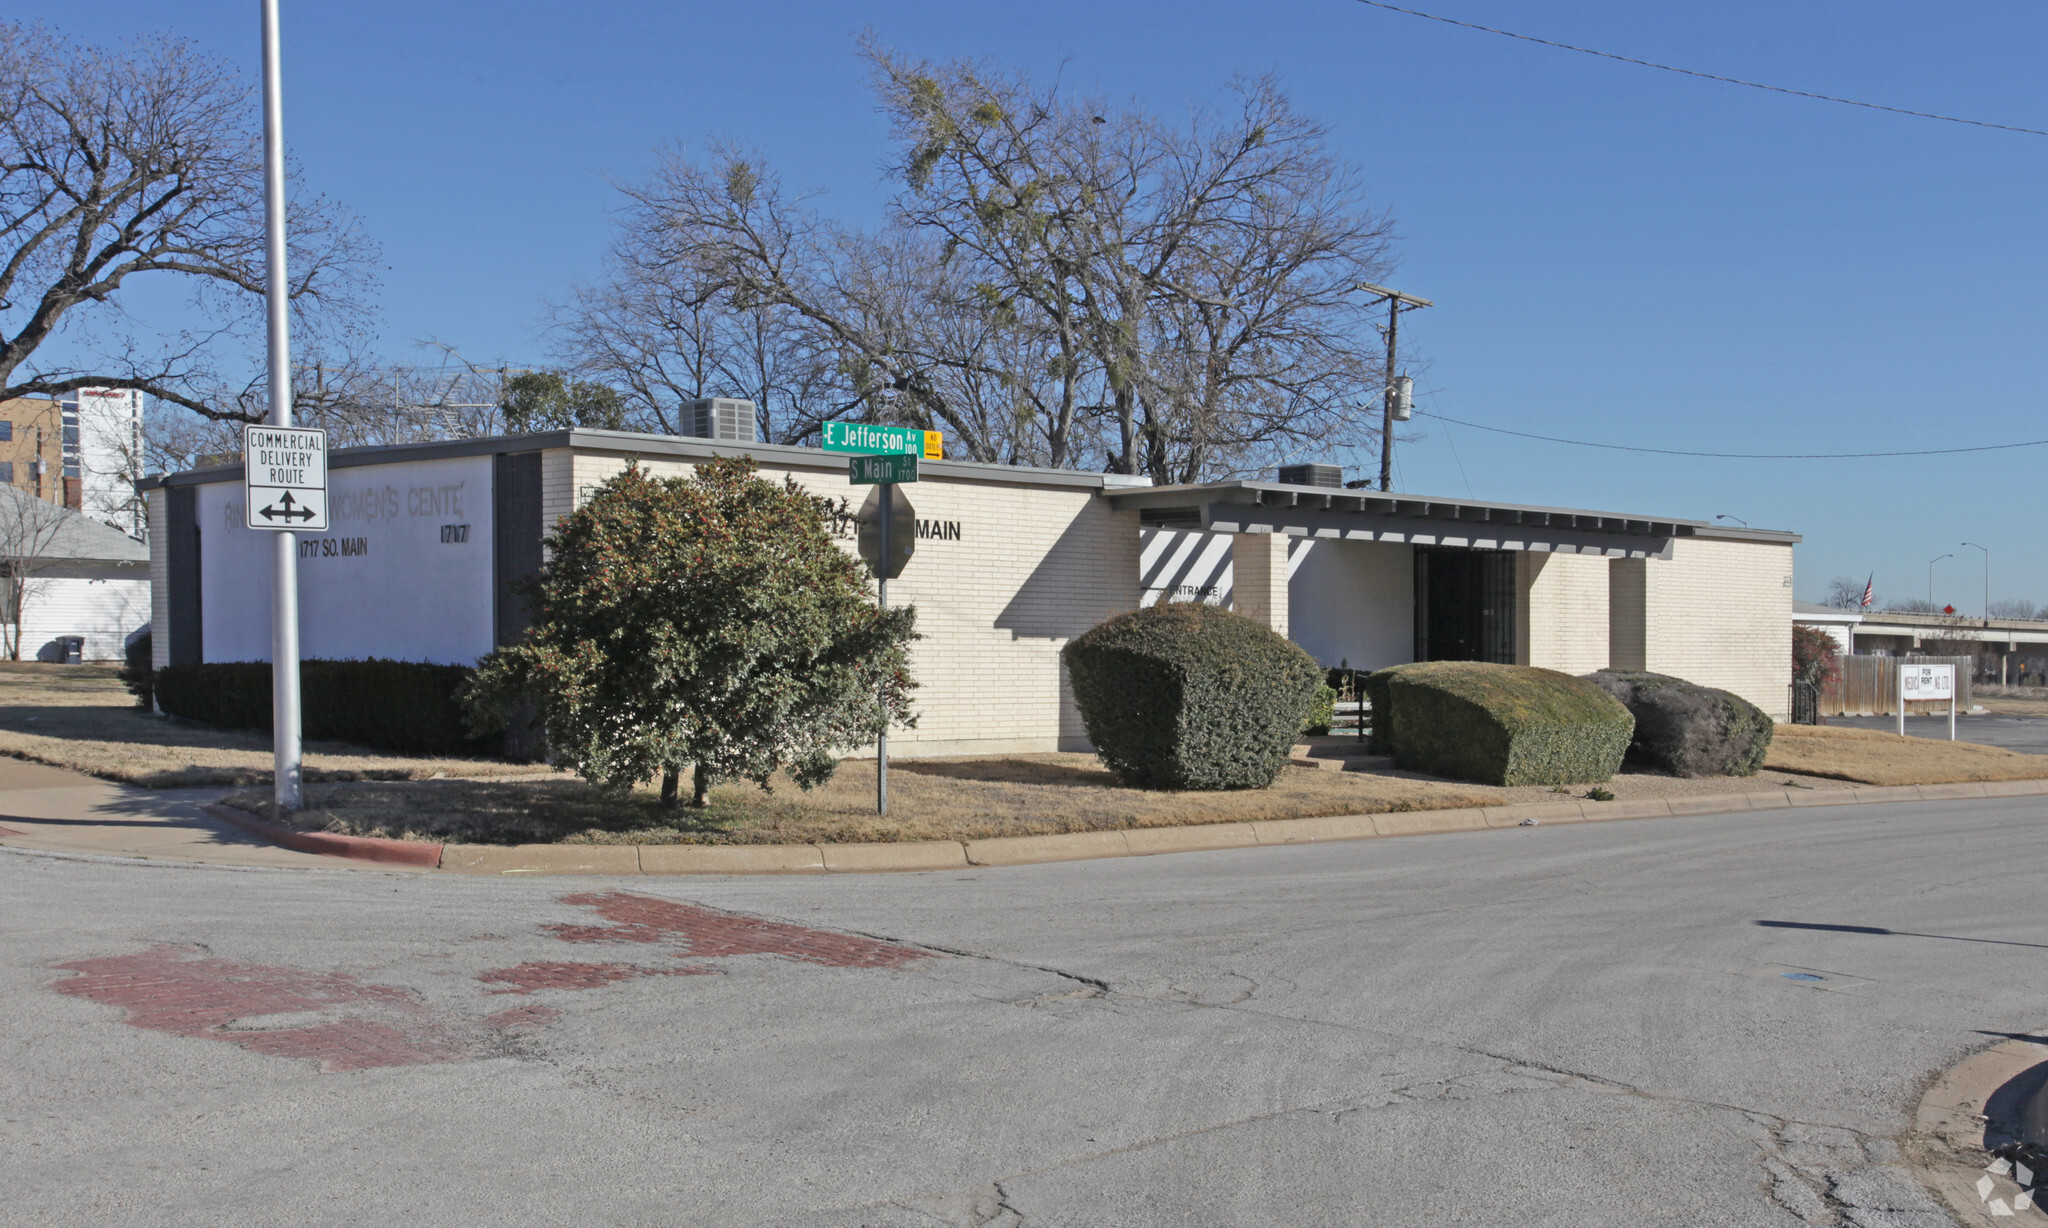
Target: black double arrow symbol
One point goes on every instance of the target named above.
(290, 512)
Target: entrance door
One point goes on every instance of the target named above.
(1464, 605)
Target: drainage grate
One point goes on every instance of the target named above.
(1805, 978)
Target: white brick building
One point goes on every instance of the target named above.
(1011, 563)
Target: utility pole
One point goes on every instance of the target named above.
(284, 592)
(1395, 300)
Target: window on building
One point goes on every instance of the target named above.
(6, 431)
(7, 472)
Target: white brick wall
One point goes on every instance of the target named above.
(1561, 611)
(1719, 613)
(1259, 574)
(1033, 567)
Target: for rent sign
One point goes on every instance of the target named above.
(285, 470)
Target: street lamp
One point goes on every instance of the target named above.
(1930, 577)
(1396, 386)
(1737, 519)
(1987, 580)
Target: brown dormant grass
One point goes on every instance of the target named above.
(929, 799)
(79, 717)
(1870, 757)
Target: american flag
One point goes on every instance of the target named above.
(1869, 590)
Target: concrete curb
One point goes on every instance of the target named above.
(1959, 1114)
(355, 848)
(927, 855)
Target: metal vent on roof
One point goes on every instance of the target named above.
(1312, 475)
(720, 418)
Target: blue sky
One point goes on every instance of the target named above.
(1617, 254)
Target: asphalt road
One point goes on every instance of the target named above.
(2026, 734)
(1566, 1025)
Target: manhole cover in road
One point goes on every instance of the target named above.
(1811, 978)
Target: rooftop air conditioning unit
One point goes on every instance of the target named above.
(1312, 475)
(720, 418)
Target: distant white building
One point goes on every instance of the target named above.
(103, 452)
(82, 579)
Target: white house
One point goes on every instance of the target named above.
(78, 578)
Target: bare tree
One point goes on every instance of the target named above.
(1845, 593)
(1208, 272)
(2013, 607)
(145, 162)
(1060, 283)
(29, 528)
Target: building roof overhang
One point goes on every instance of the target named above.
(672, 447)
(1423, 520)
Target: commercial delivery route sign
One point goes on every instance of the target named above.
(286, 472)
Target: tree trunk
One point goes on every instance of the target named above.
(702, 797)
(671, 781)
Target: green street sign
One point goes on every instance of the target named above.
(882, 470)
(868, 439)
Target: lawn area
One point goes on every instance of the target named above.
(929, 799)
(1873, 758)
(80, 717)
(2012, 700)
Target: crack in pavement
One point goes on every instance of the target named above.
(1821, 1174)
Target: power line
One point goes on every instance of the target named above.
(1622, 447)
(1755, 85)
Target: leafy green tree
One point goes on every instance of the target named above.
(549, 401)
(707, 621)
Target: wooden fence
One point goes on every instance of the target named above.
(1870, 685)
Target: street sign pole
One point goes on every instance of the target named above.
(882, 738)
(883, 471)
(284, 593)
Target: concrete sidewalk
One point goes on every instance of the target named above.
(53, 810)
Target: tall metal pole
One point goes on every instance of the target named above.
(284, 592)
(1987, 579)
(1387, 405)
(888, 502)
(1930, 578)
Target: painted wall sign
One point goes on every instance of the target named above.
(388, 580)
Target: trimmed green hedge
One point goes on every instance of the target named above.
(1500, 724)
(1688, 729)
(1377, 687)
(1184, 695)
(406, 706)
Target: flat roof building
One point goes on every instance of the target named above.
(429, 541)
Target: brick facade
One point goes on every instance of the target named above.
(1004, 575)
(1259, 575)
(1560, 611)
(1719, 613)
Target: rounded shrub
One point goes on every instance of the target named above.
(1688, 729)
(1184, 695)
(1501, 724)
